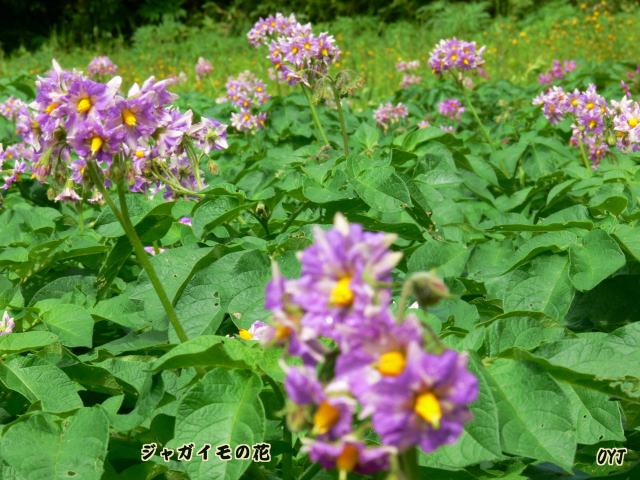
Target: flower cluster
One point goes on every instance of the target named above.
(388, 114)
(451, 108)
(378, 369)
(75, 120)
(7, 324)
(452, 54)
(203, 68)
(101, 66)
(409, 78)
(12, 107)
(297, 54)
(557, 72)
(247, 92)
(597, 125)
(633, 78)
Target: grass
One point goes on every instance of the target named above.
(517, 49)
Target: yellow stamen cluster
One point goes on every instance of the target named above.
(342, 295)
(129, 118)
(96, 144)
(282, 332)
(84, 105)
(51, 107)
(392, 363)
(245, 334)
(428, 408)
(633, 122)
(348, 459)
(325, 418)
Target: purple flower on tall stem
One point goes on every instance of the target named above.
(203, 68)
(427, 404)
(451, 108)
(388, 114)
(452, 53)
(101, 65)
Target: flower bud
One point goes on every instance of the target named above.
(261, 210)
(213, 167)
(428, 288)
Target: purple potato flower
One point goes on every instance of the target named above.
(457, 54)
(451, 108)
(427, 404)
(101, 65)
(7, 324)
(203, 68)
(349, 455)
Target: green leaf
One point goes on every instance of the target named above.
(23, 341)
(545, 288)
(629, 238)
(598, 257)
(46, 447)
(598, 417)
(223, 407)
(140, 207)
(448, 258)
(380, 187)
(45, 383)
(217, 211)
(552, 241)
(526, 332)
(536, 419)
(218, 351)
(480, 441)
(72, 323)
(610, 198)
(367, 135)
(198, 309)
(612, 356)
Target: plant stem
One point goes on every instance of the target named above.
(79, 207)
(294, 215)
(195, 163)
(343, 126)
(287, 460)
(474, 112)
(409, 464)
(314, 115)
(583, 154)
(483, 129)
(404, 295)
(310, 472)
(122, 215)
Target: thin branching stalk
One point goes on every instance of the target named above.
(314, 115)
(474, 112)
(409, 464)
(583, 154)
(122, 214)
(343, 126)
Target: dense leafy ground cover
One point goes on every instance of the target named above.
(539, 251)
